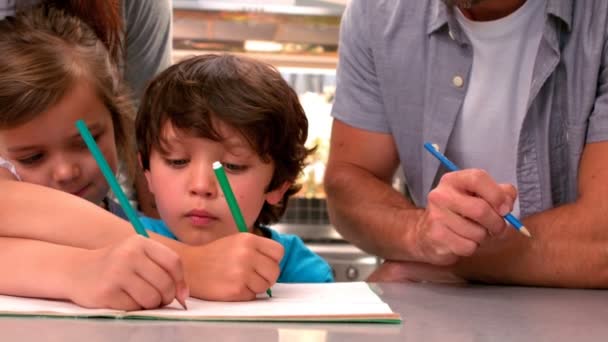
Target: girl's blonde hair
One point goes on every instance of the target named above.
(44, 52)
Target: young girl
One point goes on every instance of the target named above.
(48, 81)
(137, 35)
(56, 245)
(242, 113)
(54, 71)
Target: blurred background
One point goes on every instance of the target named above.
(300, 38)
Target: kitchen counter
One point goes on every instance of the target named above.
(429, 312)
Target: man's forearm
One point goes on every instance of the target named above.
(568, 248)
(569, 243)
(370, 213)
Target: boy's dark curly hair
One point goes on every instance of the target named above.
(246, 94)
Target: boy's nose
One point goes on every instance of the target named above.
(202, 182)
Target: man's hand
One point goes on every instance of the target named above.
(136, 273)
(233, 268)
(464, 208)
(404, 271)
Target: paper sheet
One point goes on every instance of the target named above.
(333, 302)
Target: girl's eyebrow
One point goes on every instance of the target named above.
(22, 148)
(93, 128)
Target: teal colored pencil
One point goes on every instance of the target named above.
(110, 178)
(220, 174)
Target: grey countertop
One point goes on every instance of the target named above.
(429, 312)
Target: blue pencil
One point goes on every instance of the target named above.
(452, 167)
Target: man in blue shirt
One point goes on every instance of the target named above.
(515, 93)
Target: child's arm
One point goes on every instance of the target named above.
(35, 212)
(136, 273)
(232, 268)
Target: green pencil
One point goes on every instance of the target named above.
(220, 174)
(109, 175)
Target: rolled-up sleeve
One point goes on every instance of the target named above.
(358, 99)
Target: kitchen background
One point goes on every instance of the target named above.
(300, 38)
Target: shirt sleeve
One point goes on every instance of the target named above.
(358, 100)
(300, 264)
(157, 226)
(148, 41)
(598, 120)
(7, 7)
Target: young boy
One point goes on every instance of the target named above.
(242, 113)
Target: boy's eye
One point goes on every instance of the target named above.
(31, 160)
(177, 163)
(234, 167)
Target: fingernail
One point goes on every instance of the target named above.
(185, 292)
(504, 210)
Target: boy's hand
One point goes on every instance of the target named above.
(233, 268)
(137, 273)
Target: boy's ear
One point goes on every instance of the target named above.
(275, 196)
(146, 174)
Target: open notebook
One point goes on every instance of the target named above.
(334, 302)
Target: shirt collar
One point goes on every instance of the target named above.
(562, 10)
(440, 15)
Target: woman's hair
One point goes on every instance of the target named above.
(104, 17)
(44, 53)
(245, 94)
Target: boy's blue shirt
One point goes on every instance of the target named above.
(299, 263)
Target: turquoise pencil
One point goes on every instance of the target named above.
(111, 179)
(109, 176)
(222, 179)
(452, 167)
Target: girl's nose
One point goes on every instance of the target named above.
(66, 170)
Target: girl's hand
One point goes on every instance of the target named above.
(234, 268)
(135, 274)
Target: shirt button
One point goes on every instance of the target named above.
(457, 81)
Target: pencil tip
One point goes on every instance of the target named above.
(182, 302)
(525, 231)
